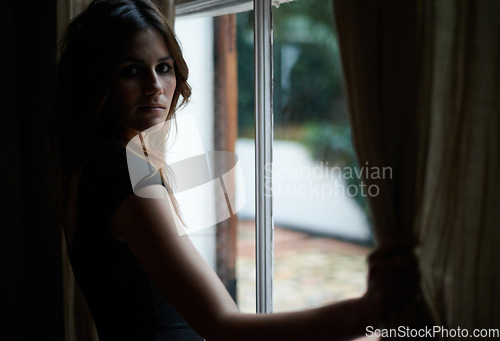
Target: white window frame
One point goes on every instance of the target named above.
(212, 7)
(263, 83)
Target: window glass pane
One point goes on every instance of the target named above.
(322, 230)
(208, 51)
(194, 133)
(321, 227)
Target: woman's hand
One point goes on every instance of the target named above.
(393, 278)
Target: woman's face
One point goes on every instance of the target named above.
(143, 82)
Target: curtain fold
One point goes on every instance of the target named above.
(78, 322)
(460, 220)
(423, 81)
(379, 51)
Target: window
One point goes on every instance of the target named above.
(303, 153)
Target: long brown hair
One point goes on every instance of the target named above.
(88, 55)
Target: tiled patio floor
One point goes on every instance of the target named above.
(309, 271)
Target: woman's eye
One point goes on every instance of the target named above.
(164, 68)
(129, 71)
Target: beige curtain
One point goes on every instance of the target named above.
(423, 86)
(460, 220)
(380, 53)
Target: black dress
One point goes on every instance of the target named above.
(124, 303)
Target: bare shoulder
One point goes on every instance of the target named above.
(147, 208)
(145, 220)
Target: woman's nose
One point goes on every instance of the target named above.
(152, 84)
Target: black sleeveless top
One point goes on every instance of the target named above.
(124, 303)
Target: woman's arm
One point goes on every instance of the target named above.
(189, 283)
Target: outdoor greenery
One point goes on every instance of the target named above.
(307, 73)
(309, 105)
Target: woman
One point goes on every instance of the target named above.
(121, 72)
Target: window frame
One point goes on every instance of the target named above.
(198, 8)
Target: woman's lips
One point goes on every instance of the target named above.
(151, 108)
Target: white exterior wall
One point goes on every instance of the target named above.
(196, 38)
